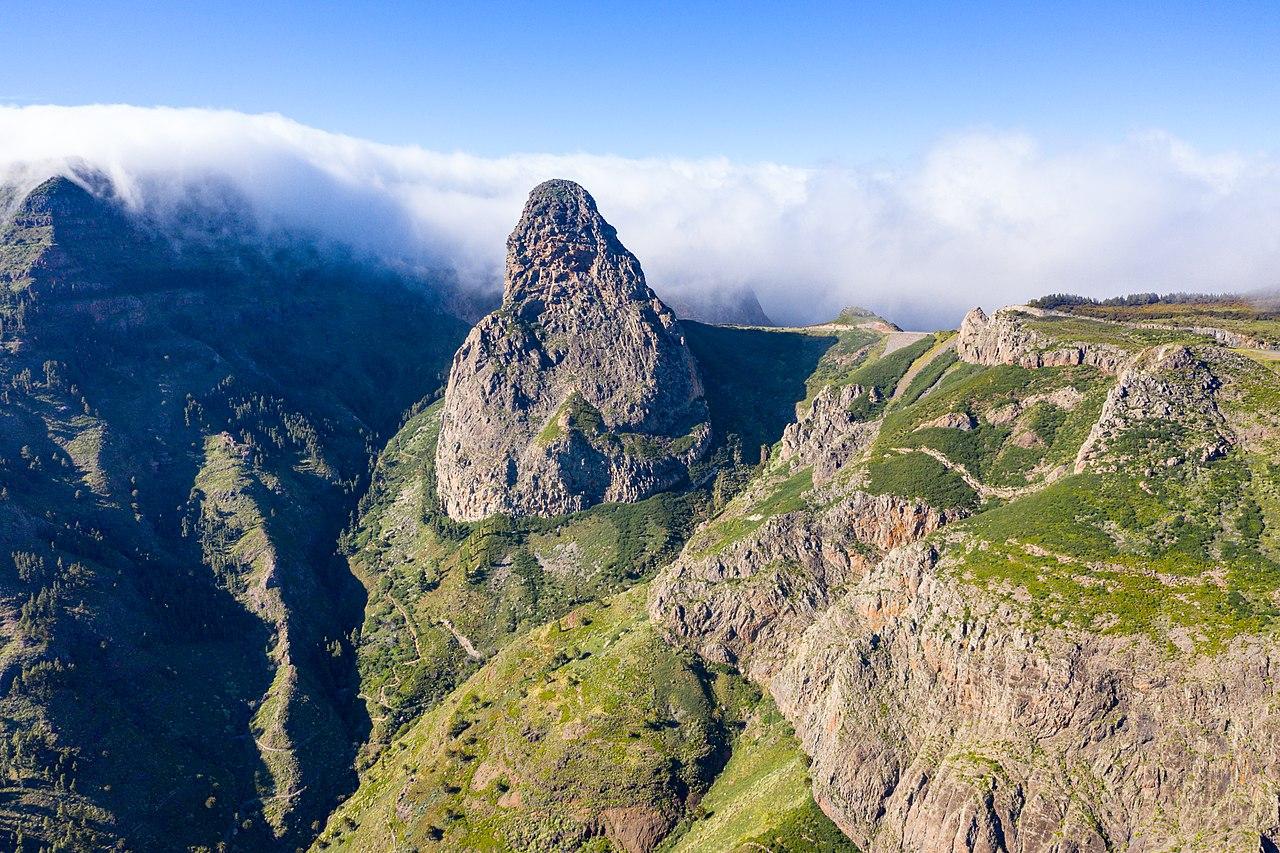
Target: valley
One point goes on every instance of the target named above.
(297, 556)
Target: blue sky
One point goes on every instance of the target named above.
(801, 83)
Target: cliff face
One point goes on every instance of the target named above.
(1082, 660)
(746, 604)
(580, 388)
(940, 720)
(1005, 338)
(829, 433)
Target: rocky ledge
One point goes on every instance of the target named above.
(1004, 338)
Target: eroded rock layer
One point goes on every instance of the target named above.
(1083, 658)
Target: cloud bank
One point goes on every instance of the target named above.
(984, 218)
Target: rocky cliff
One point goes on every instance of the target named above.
(580, 389)
(1006, 338)
(1083, 659)
(940, 720)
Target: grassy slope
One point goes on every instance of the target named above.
(589, 729)
(985, 452)
(1186, 553)
(496, 579)
(589, 713)
(762, 799)
(1092, 331)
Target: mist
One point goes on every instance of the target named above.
(984, 218)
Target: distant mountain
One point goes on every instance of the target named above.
(735, 306)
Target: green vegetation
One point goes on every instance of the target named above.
(995, 454)
(189, 663)
(854, 315)
(856, 360)
(1070, 330)
(754, 509)
(589, 714)
(880, 376)
(575, 415)
(762, 799)
(1107, 554)
(591, 728)
(915, 475)
(178, 453)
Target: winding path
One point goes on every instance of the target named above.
(1002, 492)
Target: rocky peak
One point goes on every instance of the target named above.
(67, 239)
(580, 388)
(563, 248)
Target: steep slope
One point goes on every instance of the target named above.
(1033, 607)
(182, 437)
(590, 734)
(452, 603)
(445, 596)
(589, 726)
(580, 388)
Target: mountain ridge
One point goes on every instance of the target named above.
(1014, 587)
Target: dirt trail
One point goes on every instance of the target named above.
(1002, 492)
(921, 363)
(471, 650)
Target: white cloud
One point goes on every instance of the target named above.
(983, 218)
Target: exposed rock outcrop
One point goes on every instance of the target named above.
(1004, 338)
(829, 434)
(580, 388)
(1170, 385)
(937, 722)
(1067, 399)
(746, 604)
(962, 421)
(938, 719)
